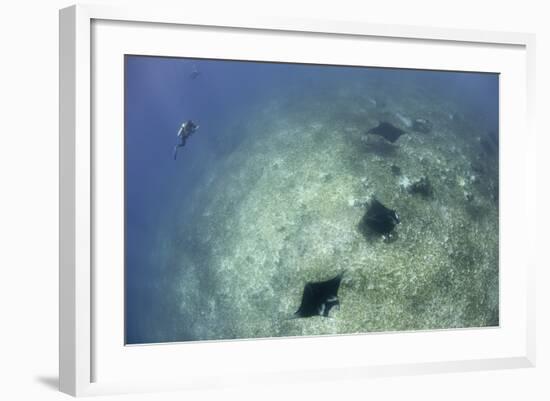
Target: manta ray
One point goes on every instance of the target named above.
(319, 297)
(387, 131)
(379, 218)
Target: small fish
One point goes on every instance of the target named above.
(422, 125)
(406, 121)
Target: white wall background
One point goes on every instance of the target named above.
(29, 184)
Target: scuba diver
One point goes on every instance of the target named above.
(187, 129)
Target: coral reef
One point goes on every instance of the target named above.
(282, 209)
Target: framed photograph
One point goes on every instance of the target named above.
(268, 201)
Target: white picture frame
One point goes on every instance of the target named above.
(79, 158)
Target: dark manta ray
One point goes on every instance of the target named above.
(379, 218)
(387, 131)
(319, 298)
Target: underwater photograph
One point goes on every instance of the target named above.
(270, 199)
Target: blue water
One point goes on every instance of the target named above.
(160, 94)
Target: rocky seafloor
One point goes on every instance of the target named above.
(284, 207)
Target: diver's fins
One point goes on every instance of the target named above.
(175, 152)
